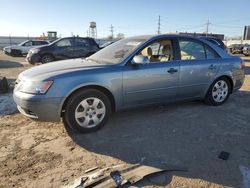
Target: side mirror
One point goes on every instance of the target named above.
(140, 59)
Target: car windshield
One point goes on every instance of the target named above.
(117, 51)
(55, 41)
(22, 43)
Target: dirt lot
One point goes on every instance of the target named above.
(186, 135)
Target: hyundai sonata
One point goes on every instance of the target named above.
(132, 72)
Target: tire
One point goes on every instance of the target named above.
(218, 92)
(84, 117)
(47, 58)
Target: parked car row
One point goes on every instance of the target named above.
(44, 51)
(239, 49)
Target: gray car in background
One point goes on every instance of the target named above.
(23, 48)
(132, 72)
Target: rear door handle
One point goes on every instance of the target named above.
(212, 67)
(172, 70)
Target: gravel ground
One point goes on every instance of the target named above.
(184, 135)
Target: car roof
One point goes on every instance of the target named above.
(39, 40)
(147, 37)
(76, 37)
(218, 49)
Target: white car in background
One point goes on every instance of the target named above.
(23, 48)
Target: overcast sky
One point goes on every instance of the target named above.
(131, 17)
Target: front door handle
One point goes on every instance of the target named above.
(172, 70)
(212, 67)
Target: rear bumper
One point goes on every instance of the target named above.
(238, 81)
(38, 107)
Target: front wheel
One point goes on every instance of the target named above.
(47, 58)
(218, 92)
(87, 111)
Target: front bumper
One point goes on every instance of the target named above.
(38, 106)
(6, 52)
(33, 58)
(238, 81)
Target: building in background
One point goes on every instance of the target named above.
(51, 35)
(246, 35)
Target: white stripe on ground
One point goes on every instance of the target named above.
(245, 172)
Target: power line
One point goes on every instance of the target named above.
(159, 25)
(112, 31)
(208, 23)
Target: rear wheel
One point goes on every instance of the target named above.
(47, 58)
(87, 111)
(218, 92)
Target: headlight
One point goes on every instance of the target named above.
(7, 50)
(34, 51)
(34, 87)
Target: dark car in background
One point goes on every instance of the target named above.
(23, 48)
(64, 48)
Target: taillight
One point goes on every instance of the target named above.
(242, 64)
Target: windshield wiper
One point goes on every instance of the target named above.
(89, 59)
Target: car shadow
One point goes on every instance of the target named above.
(179, 136)
(9, 64)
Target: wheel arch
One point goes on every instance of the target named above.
(46, 53)
(229, 78)
(97, 87)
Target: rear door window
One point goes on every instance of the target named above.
(81, 42)
(63, 43)
(191, 50)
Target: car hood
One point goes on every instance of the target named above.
(52, 69)
(10, 46)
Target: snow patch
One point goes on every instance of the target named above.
(7, 105)
(245, 172)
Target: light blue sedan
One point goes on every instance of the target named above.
(132, 72)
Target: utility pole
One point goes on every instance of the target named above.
(112, 31)
(159, 25)
(207, 24)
